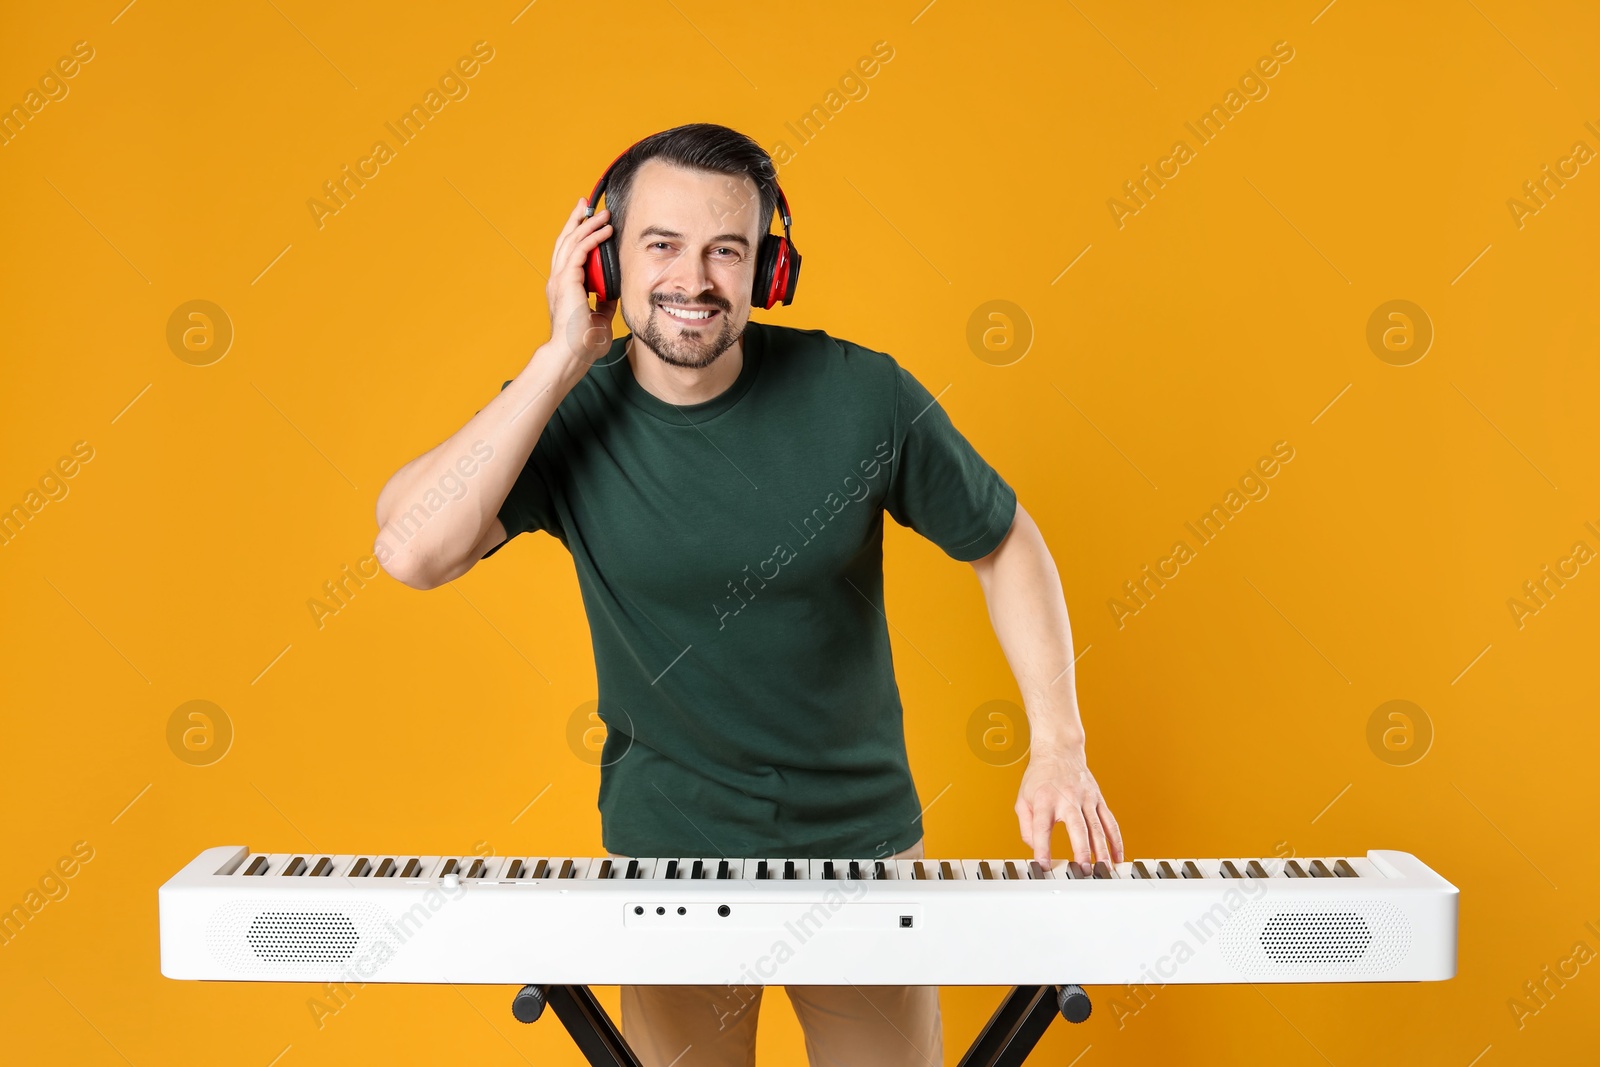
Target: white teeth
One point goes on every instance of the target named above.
(686, 314)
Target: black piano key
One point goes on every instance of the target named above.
(1102, 869)
(516, 870)
(1255, 870)
(360, 868)
(257, 866)
(1164, 870)
(1320, 870)
(1011, 871)
(918, 872)
(827, 870)
(1140, 870)
(1343, 869)
(1229, 870)
(541, 869)
(1036, 870)
(985, 871)
(879, 871)
(1292, 869)
(451, 866)
(945, 872)
(385, 869)
(477, 870)
(672, 868)
(567, 869)
(633, 869)
(297, 866)
(1190, 870)
(1079, 871)
(323, 868)
(413, 868)
(722, 869)
(605, 868)
(788, 870)
(698, 870)
(761, 871)
(855, 868)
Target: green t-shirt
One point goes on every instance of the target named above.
(730, 557)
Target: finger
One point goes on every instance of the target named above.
(1044, 818)
(1097, 834)
(585, 243)
(1078, 832)
(576, 226)
(1025, 822)
(1113, 831)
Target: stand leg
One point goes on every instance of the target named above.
(1020, 1021)
(592, 1030)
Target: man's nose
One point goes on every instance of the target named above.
(688, 274)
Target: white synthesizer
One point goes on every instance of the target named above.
(234, 914)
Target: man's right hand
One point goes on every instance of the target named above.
(578, 332)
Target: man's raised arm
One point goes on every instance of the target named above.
(425, 548)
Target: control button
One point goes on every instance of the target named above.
(452, 880)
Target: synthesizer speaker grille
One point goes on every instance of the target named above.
(320, 936)
(1365, 937)
(299, 940)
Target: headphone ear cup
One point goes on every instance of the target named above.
(602, 272)
(767, 255)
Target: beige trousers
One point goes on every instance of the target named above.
(845, 1026)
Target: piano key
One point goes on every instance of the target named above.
(697, 869)
(451, 866)
(945, 873)
(761, 871)
(1190, 870)
(605, 869)
(1343, 869)
(1255, 870)
(1036, 870)
(827, 870)
(918, 872)
(1229, 870)
(297, 866)
(1102, 870)
(542, 869)
(633, 869)
(855, 868)
(879, 871)
(1011, 871)
(517, 869)
(1292, 869)
(1076, 870)
(984, 872)
(788, 870)
(1140, 870)
(1320, 870)
(722, 869)
(477, 870)
(385, 869)
(1164, 870)
(323, 868)
(359, 868)
(257, 866)
(413, 868)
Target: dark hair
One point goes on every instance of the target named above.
(701, 146)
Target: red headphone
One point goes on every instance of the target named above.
(777, 259)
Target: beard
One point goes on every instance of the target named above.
(681, 347)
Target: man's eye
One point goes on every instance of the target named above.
(655, 244)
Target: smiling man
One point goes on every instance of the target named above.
(720, 485)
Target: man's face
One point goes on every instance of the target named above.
(689, 245)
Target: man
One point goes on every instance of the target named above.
(720, 485)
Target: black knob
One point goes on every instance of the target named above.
(1074, 1003)
(723, 910)
(528, 1004)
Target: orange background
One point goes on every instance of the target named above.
(1228, 717)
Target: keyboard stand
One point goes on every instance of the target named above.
(1005, 1041)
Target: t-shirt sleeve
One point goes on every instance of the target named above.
(939, 485)
(529, 506)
